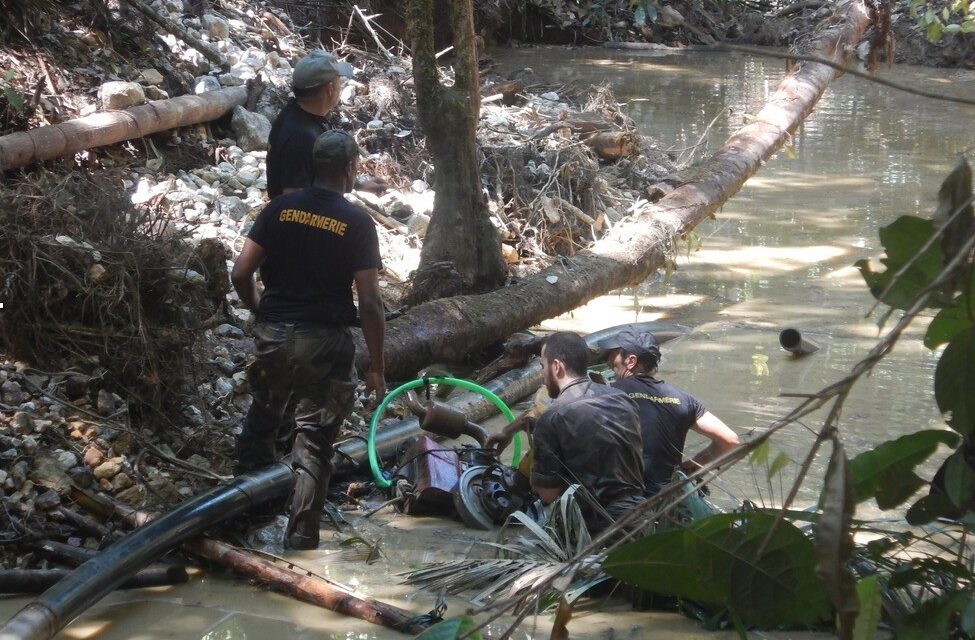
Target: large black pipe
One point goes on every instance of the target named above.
(511, 387)
(94, 579)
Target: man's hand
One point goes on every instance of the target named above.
(377, 186)
(501, 440)
(375, 381)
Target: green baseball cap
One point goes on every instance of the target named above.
(318, 68)
(334, 148)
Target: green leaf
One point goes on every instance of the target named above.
(760, 455)
(834, 544)
(954, 382)
(956, 217)
(716, 560)
(933, 32)
(968, 26)
(933, 618)
(13, 99)
(778, 463)
(886, 472)
(871, 600)
(929, 508)
(953, 28)
(640, 16)
(452, 629)
(949, 322)
(902, 239)
(959, 482)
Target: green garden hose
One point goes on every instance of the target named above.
(377, 474)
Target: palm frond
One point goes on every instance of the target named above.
(527, 558)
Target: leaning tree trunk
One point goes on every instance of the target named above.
(447, 329)
(461, 251)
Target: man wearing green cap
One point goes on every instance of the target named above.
(317, 86)
(311, 246)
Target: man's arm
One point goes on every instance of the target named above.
(501, 440)
(546, 480)
(723, 439)
(242, 275)
(373, 318)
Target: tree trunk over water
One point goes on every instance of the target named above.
(450, 328)
(461, 251)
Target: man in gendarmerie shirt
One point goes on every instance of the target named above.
(317, 86)
(666, 413)
(311, 246)
(589, 435)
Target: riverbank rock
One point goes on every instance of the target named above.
(120, 95)
(252, 129)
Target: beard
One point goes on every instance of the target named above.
(552, 388)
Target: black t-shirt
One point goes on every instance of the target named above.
(314, 240)
(666, 414)
(289, 162)
(591, 435)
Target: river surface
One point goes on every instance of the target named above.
(778, 255)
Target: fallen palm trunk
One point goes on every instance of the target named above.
(36, 581)
(311, 589)
(55, 608)
(109, 127)
(449, 328)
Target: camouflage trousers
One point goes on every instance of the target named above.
(313, 368)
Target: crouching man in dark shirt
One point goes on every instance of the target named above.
(666, 413)
(589, 435)
(310, 245)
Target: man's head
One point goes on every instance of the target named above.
(565, 357)
(631, 352)
(336, 160)
(317, 81)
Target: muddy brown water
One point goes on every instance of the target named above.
(779, 254)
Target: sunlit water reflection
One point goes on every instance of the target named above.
(779, 254)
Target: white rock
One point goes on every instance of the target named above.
(243, 316)
(217, 27)
(374, 125)
(252, 129)
(227, 330)
(254, 58)
(233, 207)
(419, 186)
(232, 80)
(248, 175)
(174, 6)
(223, 386)
(418, 223)
(65, 459)
(120, 95)
(205, 83)
(151, 76)
(550, 95)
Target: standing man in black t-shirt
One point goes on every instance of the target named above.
(666, 413)
(317, 86)
(310, 245)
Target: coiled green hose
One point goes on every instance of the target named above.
(377, 475)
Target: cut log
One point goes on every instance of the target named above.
(311, 589)
(450, 328)
(109, 127)
(612, 145)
